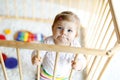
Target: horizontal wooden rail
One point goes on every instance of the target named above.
(57, 48)
(27, 18)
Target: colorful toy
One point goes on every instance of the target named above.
(7, 31)
(28, 36)
(2, 37)
(11, 63)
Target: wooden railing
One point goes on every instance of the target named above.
(35, 46)
(102, 39)
(105, 34)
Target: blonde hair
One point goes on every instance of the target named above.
(67, 16)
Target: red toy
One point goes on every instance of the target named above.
(4, 56)
(2, 37)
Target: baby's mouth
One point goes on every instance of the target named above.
(63, 39)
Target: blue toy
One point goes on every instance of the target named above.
(11, 63)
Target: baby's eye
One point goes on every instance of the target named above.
(69, 30)
(59, 27)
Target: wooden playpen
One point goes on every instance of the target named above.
(102, 39)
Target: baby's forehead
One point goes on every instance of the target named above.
(66, 24)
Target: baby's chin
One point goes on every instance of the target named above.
(62, 41)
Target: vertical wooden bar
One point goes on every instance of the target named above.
(91, 26)
(69, 4)
(106, 64)
(100, 27)
(95, 59)
(114, 21)
(98, 22)
(96, 44)
(101, 15)
(70, 76)
(24, 8)
(51, 10)
(33, 9)
(84, 2)
(97, 67)
(60, 4)
(42, 7)
(19, 63)
(7, 8)
(38, 67)
(15, 7)
(95, 3)
(3, 66)
(55, 66)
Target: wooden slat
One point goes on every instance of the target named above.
(19, 63)
(38, 66)
(15, 8)
(3, 67)
(7, 8)
(70, 76)
(114, 21)
(57, 48)
(93, 20)
(27, 18)
(106, 64)
(33, 9)
(99, 28)
(100, 60)
(55, 66)
(24, 7)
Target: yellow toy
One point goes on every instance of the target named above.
(7, 31)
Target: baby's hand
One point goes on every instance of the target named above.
(35, 60)
(76, 65)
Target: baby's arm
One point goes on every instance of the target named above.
(35, 58)
(80, 63)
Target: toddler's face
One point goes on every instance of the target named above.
(64, 32)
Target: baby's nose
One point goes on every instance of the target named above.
(64, 32)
